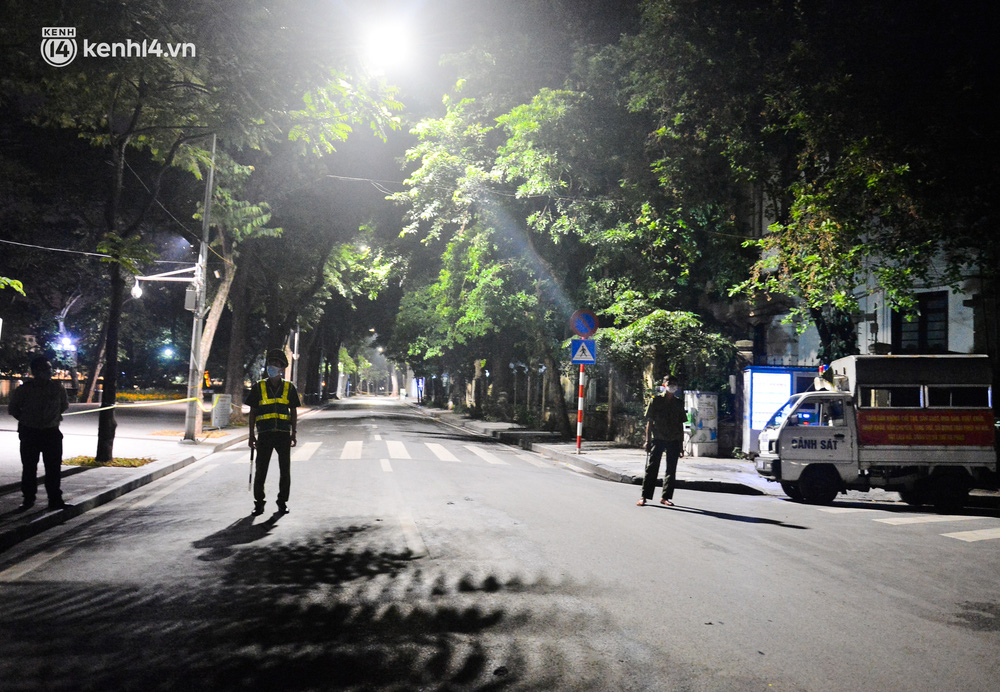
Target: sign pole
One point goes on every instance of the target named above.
(579, 413)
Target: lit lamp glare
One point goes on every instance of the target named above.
(385, 47)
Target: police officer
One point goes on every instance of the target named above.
(273, 402)
(38, 405)
(665, 417)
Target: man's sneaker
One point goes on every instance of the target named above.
(26, 505)
(58, 504)
(282, 508)
(258, 508)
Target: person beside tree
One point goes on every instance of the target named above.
(38, 405)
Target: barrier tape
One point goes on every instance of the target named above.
(152, 403)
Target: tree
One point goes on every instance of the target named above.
(255, 80)
(832, 112)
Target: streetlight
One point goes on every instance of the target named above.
(194, 300)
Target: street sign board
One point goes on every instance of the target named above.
(583, 323)
(584, 351)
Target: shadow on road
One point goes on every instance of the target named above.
(338, 608)
(220, 544)
(730, 517)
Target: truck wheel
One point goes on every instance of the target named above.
(792, 490)
(819, 485)
(950, 491)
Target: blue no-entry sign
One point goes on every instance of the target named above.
(584, 351)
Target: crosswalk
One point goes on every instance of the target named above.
(916, 520)
(379, 449)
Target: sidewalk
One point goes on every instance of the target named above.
(620, 464)
(87, 488)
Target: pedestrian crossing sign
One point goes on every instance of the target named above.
(584, 351)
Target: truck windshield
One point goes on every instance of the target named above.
(779, 416)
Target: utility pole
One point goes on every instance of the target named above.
(193, 418)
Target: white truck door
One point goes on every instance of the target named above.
(819, 431)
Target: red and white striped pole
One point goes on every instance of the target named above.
(579, 413)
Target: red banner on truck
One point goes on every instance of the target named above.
(927, 427)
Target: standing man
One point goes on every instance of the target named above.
(38, 405)
(665, 418)
(273, 402)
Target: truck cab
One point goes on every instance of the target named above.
(811, 429)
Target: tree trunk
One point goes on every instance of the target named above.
(611, 404)
(310, 359)
(215, 312)
(235, 367)
(95, 368)
(106, 423)
(556, 389)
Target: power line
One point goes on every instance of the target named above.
(78, 252)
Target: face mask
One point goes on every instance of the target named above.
(661, 389)
(673, 388)
(273, 371)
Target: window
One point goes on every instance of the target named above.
(958, 397)
(832, 414)
(907, 396)
(927, 332)
(807, 414)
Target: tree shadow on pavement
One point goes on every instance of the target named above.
(337, 608)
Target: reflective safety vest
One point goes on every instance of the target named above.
(274, 415)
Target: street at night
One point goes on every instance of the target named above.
(583, 344)
(419, 556)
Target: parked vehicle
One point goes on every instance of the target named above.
(922, 426)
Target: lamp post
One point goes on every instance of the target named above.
(192, 417)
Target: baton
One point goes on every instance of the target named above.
(250, 479)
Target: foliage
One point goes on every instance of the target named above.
(12, 283)
(672, 342)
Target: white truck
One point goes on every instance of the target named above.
(922, 426)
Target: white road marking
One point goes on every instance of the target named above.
(928, 519)
(971, 536)
(377, 438)
(17, 571)
(440, 452)
(385, 465)
(159, 495)
(305, 451)
(397, 450)
(486, 456)
(352, 450)
(843, 510)
(535, 461)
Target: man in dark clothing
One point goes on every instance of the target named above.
(38, 405)
(273, 402)
(665, 417)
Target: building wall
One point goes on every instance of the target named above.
(786, 347)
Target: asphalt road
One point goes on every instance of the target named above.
(417, 556)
